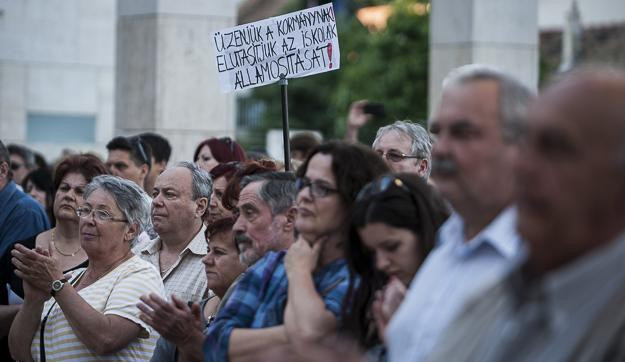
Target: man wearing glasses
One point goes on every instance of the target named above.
(404, 145)
(20, 215)
(130, 158)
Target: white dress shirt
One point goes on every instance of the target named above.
(451, 275)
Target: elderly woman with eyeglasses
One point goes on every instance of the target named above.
(90, 313)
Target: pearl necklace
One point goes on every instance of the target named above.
(59, 250)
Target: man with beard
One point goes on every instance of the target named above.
(565, 302)
(267, 213)
(475, 129)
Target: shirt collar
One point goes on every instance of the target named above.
(197, 245)
(500, 234)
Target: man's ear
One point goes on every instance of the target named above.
(145, 170)
(291, 215)
(131, 233)
(422, 167)
(201, 205)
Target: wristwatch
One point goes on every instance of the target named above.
(57, 285)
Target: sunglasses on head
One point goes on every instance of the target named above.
(144, 156)
(379, 186)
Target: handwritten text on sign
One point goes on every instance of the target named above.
(294, 45)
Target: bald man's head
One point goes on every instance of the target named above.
(571, 167)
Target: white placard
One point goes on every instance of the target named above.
(294, 45)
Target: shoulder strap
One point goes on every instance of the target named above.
(42, 327)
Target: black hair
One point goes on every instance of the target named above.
(139, 150)
(414, 206)
(161, 149)
(41, 178)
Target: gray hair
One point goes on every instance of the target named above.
(131, 200)
(514, 96)
(201, 181)
(421, 142)
(278, 189)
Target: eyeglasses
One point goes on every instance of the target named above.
(16, 166)
(316, 188)
(98, 214)
(376, 187)
(395, 156)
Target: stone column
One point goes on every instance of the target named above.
(165, 76)
(502, 33)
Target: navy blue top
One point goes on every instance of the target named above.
(20, 216)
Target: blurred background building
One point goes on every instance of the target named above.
(75, 73)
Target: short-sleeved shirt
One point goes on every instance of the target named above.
(116, 293)
(259, 299)
(186, 279)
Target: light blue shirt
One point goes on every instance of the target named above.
(451, 275)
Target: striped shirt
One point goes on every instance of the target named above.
(116, 293)
(186, 278)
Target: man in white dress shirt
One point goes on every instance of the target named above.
(475, 129)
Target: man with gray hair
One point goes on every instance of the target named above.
(475, 129)
(181, 195)
(565, 301)
(267, 212)
(406, 146)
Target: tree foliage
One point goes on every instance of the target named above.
(389, 66)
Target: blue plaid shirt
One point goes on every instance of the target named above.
(259, 299)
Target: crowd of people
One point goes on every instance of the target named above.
(496, 235)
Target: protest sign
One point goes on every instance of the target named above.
(293, 45)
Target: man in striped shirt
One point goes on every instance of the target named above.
(181, 195)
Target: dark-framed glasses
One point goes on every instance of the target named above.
(381, 185)
(98, 214)
(16, 166)
(316, 188)
(395, 156)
